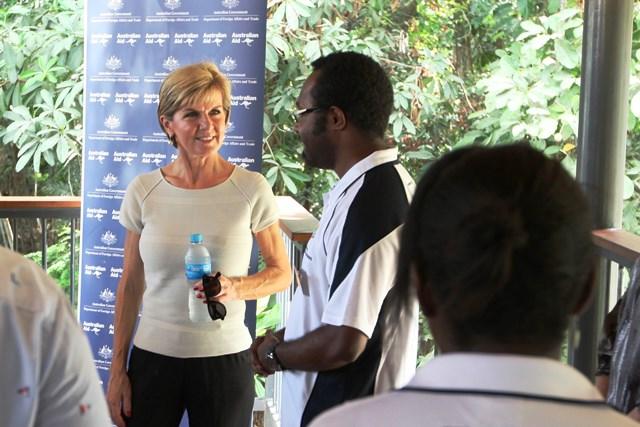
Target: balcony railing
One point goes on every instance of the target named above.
(20, 214)
(621, 249)
(618, 247)
(296, 224)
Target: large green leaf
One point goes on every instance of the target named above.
(312, 50)
(566, 54)
(532, 28)
(635, 103)
(291, 14)
(628, 188)
(538, 42)
(26, 157)
(288, 182)
(62, 150)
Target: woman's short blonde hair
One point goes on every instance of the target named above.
(190, 84)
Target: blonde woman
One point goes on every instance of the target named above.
(175, 364)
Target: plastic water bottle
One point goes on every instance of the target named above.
(197, 263)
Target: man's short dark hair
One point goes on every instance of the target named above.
(358, 85)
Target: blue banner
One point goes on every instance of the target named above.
(130, 47)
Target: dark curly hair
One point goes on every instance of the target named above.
(502, 237)
(358, 86)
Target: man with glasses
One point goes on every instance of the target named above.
(333, 348)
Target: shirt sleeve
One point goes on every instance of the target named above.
(131, 208)
(70, 393)
(357, 301)
(48, 355)
(264, 209)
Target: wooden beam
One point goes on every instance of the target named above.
(618, 245)
(295, 221)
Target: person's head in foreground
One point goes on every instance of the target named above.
(497, 246)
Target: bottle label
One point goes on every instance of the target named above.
(196, 271)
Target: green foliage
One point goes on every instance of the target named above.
(532, 92)
(41, 82)
(429, 97)
(267, 318)
(426, 344)
(463, 71)
(433, 51)
(59, 258)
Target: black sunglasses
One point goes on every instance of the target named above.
(212, 287)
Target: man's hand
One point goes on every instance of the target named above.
(634, 414)
(262, 349)
(255, 360)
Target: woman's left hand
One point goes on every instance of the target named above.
(228, 290)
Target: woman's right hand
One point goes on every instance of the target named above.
(119, 398)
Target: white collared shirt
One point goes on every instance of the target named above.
(473, 389)
(47, 377)
(347, 270)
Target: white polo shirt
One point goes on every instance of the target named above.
(348, 268)
(484, 390)
(47, 376)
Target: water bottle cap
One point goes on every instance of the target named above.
(196, 238)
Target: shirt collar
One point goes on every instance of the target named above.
(507, 373)
(374, 159)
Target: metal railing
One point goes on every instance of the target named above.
(297, 226)
(618, 247)
(621, 249)
(618, 250)
(43, 211)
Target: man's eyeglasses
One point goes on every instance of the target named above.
(302, 112)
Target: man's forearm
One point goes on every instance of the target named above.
(325, 348)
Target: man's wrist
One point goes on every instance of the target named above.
(271, 354)
(281, 367)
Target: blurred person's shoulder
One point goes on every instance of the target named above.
(25, 286)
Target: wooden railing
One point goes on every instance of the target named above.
(296, 224)
(42, 210)
(617, 246)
